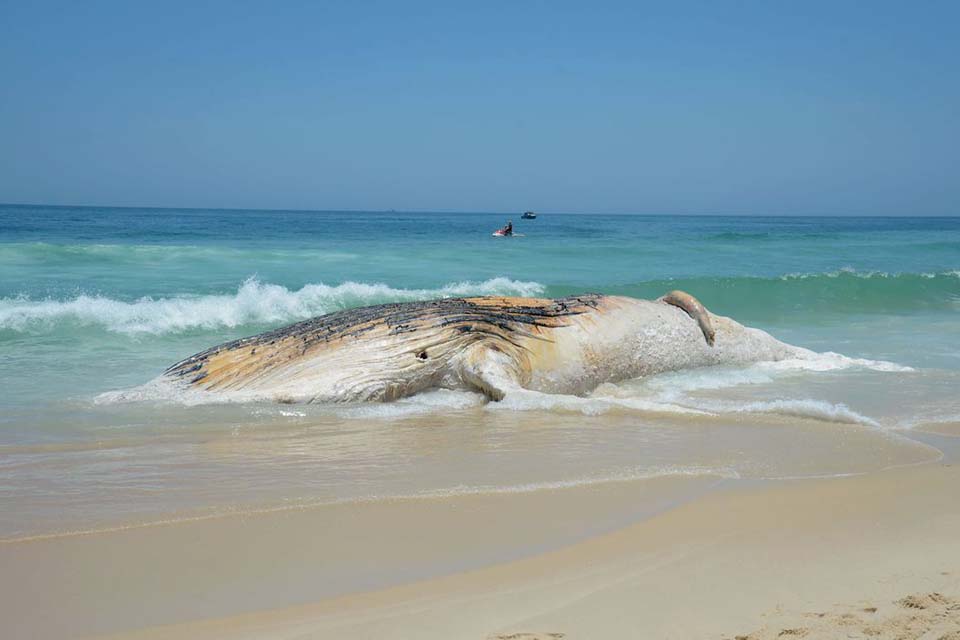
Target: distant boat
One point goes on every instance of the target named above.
(529, 215)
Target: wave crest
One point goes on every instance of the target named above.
(254, 303)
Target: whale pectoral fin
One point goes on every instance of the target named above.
(489, 371)
(695, 310)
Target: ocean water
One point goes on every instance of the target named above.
(96, 301)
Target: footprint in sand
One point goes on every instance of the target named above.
(922, 601)
(926, 616)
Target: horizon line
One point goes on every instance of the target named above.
(474, 212)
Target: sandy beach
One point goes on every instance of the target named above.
(874, 555)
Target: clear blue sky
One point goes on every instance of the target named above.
(713, 107)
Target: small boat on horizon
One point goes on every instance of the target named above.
(529, 215)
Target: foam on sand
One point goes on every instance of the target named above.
(524, 400)
(800, 408)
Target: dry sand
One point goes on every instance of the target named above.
(931, 616)
(806, 558)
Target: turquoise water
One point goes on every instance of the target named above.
(95, 300)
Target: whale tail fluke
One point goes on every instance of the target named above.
(695, 310)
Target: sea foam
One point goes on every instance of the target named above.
(798, 408)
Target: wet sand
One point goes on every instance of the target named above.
(674, 558)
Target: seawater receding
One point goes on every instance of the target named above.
(443, 444)
(806, 418)
(399, 463)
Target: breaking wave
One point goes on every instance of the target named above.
(254, 303)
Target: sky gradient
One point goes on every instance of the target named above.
(809, 108)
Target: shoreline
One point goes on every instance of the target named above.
(654, 557)
(476, 452)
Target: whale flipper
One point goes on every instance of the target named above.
(695, 310)
(490, 371)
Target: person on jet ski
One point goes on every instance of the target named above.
(508, 230)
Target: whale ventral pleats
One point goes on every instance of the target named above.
(487, 316)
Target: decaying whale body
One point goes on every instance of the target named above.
(489, 344)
